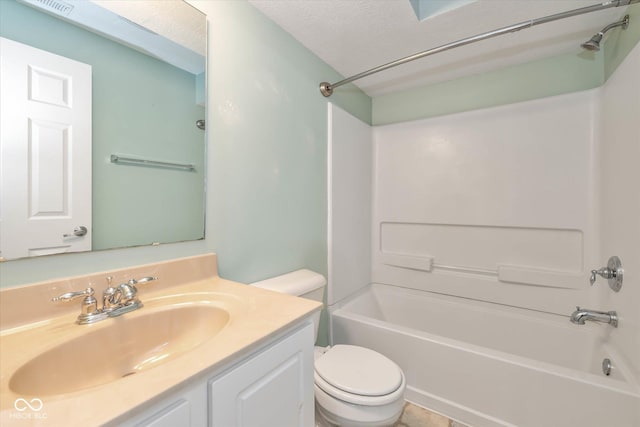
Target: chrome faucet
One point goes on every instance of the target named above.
(111, 297)
(89, 311)
(116, 301)
(581, 315)
(128, 296)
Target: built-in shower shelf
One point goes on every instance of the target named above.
(412, 262)
(525, 275)
(539, 256)
(504, 273)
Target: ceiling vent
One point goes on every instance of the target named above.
(55, 6)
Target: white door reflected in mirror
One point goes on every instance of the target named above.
(45, 146)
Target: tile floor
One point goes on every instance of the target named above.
(415, 416)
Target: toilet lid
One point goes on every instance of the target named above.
(359, 370)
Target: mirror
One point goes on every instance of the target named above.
(100, 144)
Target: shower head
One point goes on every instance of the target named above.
(593, 44)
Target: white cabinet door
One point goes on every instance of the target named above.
(274, 388)
(45, 152)
(176, 415)
(184, 407)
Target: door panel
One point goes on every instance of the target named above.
(45, 149)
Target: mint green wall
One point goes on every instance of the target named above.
(131, 205)
(267, 135)
(267, 200)
(268, 145)
(537, 79)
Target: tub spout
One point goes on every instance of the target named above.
(581, 315)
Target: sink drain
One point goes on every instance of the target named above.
(128, 374)
(606, 367)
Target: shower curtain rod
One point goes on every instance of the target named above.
(327, 88)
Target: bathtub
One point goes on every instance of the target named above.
(490, 365)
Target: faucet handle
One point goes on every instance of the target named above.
(71, 295)
(111, 296)
(142, 280)
(89, 311)
(600, 272)
(128, 296)
(129, 291)
(613, 272)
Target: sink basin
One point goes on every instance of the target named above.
(119, 347)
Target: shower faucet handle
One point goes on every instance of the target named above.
(603, 272)
(613, 272)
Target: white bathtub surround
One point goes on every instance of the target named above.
(619, 157)
(488, 223)
(350, 160)
(490, 365)
(500, 203)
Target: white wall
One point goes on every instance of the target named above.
(349, 241)
(620, 217)
(495, 204)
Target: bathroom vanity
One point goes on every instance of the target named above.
(271, 387)
(201, 351)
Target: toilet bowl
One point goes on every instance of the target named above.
(353, 386)
(356, 386)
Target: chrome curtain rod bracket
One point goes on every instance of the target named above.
(327, 88)
(115, 158)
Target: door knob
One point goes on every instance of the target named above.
(77, 232)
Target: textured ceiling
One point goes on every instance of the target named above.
(176, 20)
(355, 35)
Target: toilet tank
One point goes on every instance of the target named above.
(300, 283)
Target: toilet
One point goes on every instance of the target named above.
(354, 386)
